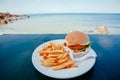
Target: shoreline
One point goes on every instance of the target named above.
(12, 31)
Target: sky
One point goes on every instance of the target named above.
(59, 6)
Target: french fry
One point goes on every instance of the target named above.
(60, 56)
(45, 56)
(65, 55)
(48, 64)
(71, 66)
(61, 66)
(62, 60)
(55, 57)
(51, 52)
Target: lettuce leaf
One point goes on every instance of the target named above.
(83, 49)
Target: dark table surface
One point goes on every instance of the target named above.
(16, 52)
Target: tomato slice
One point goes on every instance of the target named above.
(65, 44)
(76, 47)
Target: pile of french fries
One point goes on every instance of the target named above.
(56, 57)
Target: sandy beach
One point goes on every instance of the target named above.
(38, 30)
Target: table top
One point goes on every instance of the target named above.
(16, 53)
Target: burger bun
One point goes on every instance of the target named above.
(78, 38)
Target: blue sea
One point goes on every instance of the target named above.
(64, 23)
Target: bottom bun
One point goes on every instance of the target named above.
(81, 53)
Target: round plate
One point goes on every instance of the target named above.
(83, 67)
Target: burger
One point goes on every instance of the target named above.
(78, 42)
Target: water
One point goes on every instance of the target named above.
(64, 23)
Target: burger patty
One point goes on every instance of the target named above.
(76, 47)
(79, 47)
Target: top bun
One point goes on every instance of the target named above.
(77, 38)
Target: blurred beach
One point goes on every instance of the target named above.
(61, 23)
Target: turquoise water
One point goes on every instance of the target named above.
(87, 19)
(61, 23)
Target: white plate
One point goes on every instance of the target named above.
(84, 66)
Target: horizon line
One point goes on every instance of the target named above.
(74, 13)
(65, 13)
